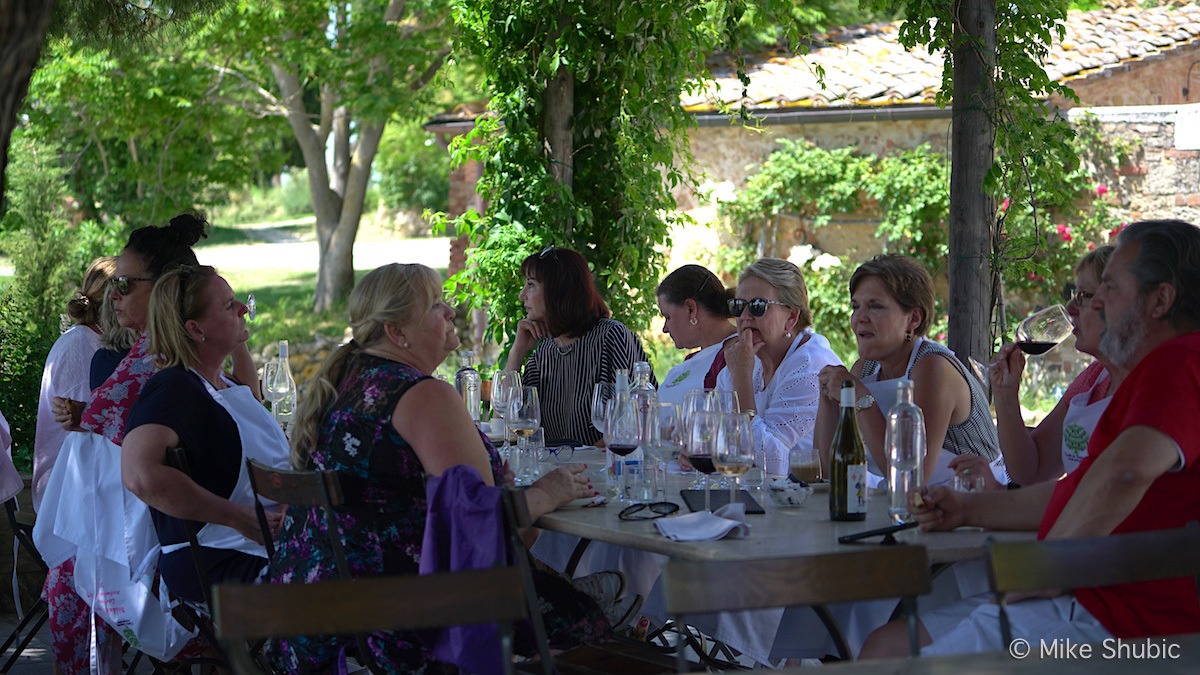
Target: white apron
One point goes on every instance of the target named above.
(885, 394)
(262, 440)
(1081, 419)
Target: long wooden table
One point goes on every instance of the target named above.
(780, 532)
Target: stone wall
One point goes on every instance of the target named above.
(1155, 80)
(1163, 179)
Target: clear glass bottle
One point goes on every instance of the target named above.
(847, 464)
(468, 384)
(283, 387)
(904, 442)
(637, 469)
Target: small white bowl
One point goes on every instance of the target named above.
(787, 494)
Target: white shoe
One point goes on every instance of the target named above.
(603, 587)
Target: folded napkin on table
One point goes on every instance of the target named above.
(727, 521)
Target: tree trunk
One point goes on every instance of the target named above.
(335, 273)
(972, 210)
(22, 29)
(558, 105)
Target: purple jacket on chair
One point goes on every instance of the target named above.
(464, 530)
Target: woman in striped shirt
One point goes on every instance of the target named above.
(574, 342)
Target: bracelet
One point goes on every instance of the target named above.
(751, 413)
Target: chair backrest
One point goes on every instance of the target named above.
(315, 489)
(694, 587)
(1068, 564)
(369, 604)
(312, 489)
(516, 518)
(177, 458)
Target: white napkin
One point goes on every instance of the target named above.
(728, 521)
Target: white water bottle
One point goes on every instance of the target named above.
(904, 442)
(468, 383)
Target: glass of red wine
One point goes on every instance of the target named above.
(625, 428)
(701, 444)
(1044, 330)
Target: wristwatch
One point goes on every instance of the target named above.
(864, 403)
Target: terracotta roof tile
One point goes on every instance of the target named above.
(866, 65)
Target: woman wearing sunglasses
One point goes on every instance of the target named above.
(695, 310)
(891, 297)
(774, 361)
(149, 252)
(567, 343)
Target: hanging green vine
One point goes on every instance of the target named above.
(630, 60)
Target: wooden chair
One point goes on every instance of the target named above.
(1068, 564)
(310, 489)
(693, 587)
(368, 604)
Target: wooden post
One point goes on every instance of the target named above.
(972, 148)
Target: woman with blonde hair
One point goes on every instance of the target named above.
(358, 419)
(773, 363)
(65, 374)
(195, 324)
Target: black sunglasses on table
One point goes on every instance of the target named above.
(122, 283)
(647, 511)
(758, 306)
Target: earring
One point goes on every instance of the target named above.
(406, 344)
(787, 333)
(908, 336)
(693, 321)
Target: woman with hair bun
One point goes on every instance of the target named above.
(65, 374)
(150, 252)
(695, 310)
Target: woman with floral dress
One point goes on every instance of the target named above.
(358, 421)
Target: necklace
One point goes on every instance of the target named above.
(563, 351)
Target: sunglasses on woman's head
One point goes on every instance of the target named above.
(122, 283)
(758, 306)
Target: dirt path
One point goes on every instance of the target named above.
(293, 255)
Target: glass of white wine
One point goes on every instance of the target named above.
(733, 453)
(524, 417)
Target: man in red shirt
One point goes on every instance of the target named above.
(1142, 471)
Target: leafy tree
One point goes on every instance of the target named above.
(142, 132)
(49, 258)
(337, 72)
(23, 26)
(588, 137)
(1003, 138)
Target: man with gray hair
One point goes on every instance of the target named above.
(1142, 471)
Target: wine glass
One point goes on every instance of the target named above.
(626, 426)
(665, 442)
(702, 438)
(694, 400)
(504, 383)
(524, 417)
(733, 452)
(724, 401)
(268, 375)
(602, 393)
(1041, 331)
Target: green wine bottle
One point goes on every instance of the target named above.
(847, 465)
